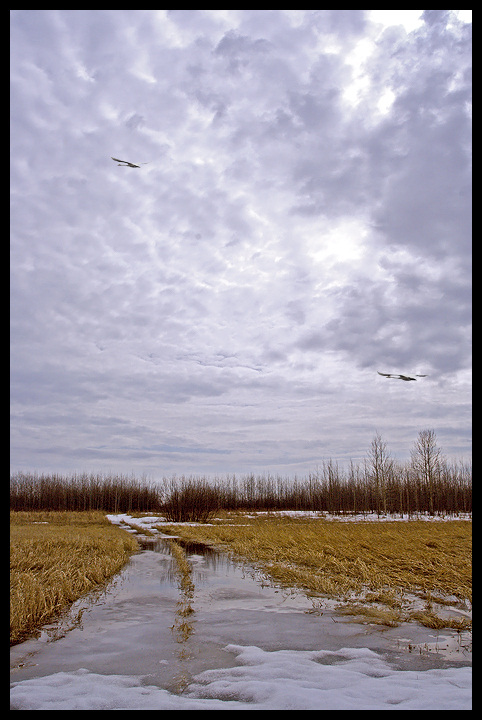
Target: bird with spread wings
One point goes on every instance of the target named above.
(126, 163)
(407, 378)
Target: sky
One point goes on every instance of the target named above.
(302, 222)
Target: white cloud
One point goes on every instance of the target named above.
(409, 19)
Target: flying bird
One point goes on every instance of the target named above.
(125, 163)
(400, 377)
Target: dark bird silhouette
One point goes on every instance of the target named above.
(400, 377)
(125, 163)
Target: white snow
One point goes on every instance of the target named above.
(361, 517)
(144, 523)
(147, 522)
(348, 679)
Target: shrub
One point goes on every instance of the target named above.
(191, 500)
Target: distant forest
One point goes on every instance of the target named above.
(426, 484)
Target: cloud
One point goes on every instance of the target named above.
(291, 234)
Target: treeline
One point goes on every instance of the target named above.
(329, 490)
(110, 493)
(428, 484)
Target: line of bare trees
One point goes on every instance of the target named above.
(425, 484)
(110, 493)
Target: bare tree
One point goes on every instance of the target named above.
(380, 469)
(427, 462)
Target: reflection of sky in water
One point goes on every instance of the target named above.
(201, 557)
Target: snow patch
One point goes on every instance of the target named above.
(347, 679)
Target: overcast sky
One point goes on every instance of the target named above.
(304, 221)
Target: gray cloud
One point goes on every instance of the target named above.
(227, 305)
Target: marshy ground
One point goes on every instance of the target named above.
(379, 572)
(186, 626)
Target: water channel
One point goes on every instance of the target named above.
(132, 627)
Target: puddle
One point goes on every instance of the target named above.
(132, 627)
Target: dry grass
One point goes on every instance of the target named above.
(55, 557)
(183, 626)
(373, 562)
(184, 569)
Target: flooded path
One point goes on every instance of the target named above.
(132, 627)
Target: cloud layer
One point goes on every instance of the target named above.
(303, 221)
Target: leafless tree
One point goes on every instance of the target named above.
(380, 469)
(427, 462)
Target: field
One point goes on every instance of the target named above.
(372, 568)
(222, 641)
(55, 557)
(386, 572)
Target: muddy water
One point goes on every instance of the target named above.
(132, 627)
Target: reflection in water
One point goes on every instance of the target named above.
(191, 564)
(183, 626)
(212, 560)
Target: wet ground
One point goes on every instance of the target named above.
(133, 626)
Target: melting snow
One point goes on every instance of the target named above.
(348, 679)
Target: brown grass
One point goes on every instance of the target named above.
(56, 557)
(378, 562)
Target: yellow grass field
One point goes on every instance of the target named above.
(371, 569)
(56, 557)
(356, 562)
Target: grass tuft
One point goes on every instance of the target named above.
(182, 627)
